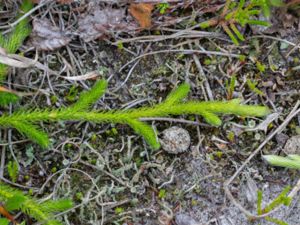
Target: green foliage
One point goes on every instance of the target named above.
(56, 205)
(230, 86)
(266, 5)
(7, 97)
(259, 202)
(276, 221)
(32, 132)
(15, 202)
(281, 199)
(162, 193)
(86, 99)
(291, 161)
(163, 7)
(119, 210)
(12, 42)
(253, 88)
(25, 121)
(43, 212)
(13, 170)
(4, 221)
(261, 67)
(242, 14)
(71, 95)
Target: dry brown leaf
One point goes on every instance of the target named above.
(142, 13)
(99, 22)
(45, 36)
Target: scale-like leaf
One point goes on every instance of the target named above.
(146, 131)
(32, 132)
(88, 98)
(56, 205)
(14, 202)
(211, 118)
(4, 221)
(14, 40)
(7, 97)
(178, 94)
(237, 32)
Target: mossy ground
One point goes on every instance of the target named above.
(112, 175)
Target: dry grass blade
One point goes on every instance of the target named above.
(5, 59)
(87, 76)
(18, 61)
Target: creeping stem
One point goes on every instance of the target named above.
(25, 121)
(120, 116)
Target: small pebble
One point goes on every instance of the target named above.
(175, 140)
(292, 145)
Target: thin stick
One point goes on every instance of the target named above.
(3, 151)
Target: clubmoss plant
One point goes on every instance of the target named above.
(253, 88)
(7, 96)
(11, 43)
(163, 7)
(240, 15)
(291, 161)
(266, 5)
(13, 170)
(15, 200)
(281, 199)
(230, 86)
(26, 121)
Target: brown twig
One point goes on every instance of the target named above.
(6, 214)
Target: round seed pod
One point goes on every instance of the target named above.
(175, 140)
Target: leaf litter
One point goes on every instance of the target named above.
(142, 13)
(103, 22)
(46, 36)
